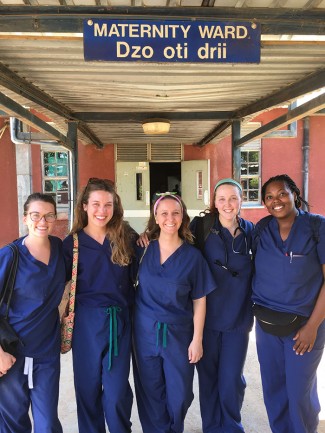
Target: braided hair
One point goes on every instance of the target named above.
(290, 184)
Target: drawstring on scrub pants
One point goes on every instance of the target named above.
(113, 342)
(28, 371)
(164, 334)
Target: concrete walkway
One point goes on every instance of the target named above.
(253, 413)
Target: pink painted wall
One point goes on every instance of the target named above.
(316, 197)
(278, 156)
(95, 162)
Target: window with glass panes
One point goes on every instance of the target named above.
(56, 176)
(250, 173)
(250, 167)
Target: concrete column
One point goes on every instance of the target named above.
(24, 180)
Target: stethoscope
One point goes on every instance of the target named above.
(225, 264)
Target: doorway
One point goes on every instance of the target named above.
(164, 176)
(136, 183)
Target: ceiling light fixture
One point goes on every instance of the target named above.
(156, 126)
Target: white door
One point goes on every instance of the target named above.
(196, 185)
(133, 186)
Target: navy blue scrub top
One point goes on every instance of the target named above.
(229, 308)
(37, 293)
(166, 291)
(100, 282)
(289, 273)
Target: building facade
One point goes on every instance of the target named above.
(27, 168)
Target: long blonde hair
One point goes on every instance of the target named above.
(118, 231)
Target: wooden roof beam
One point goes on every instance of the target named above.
(69, 19)
(138, 117)
(303, 110)
(10, 80)
(16, 110)
(309, 84)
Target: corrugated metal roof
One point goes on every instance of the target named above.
(55, 64)
(285, 4)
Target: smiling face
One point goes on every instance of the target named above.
(279, 200)
(39, 209)
(227, 201)
(169, 216)
(99, 208)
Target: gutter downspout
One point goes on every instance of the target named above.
(305, 168)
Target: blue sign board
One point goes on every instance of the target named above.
(171, 41)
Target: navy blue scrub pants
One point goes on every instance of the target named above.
(221, 381)
(102, 393)
(163, 375)
(16, 398)
(289, 382)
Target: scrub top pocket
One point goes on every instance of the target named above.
(298, 268)
(176, 294)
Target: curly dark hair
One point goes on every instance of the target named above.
(290, 184)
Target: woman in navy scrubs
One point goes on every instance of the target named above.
(101, 344)
(169, 317)
(290, 269)
(229, 318)
(31, 377)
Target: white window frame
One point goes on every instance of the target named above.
(61, 207)
(199, 185)
(252, 146)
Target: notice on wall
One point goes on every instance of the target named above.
(114, 40)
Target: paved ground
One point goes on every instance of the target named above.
(254, 415)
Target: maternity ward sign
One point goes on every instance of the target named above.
(116, 40)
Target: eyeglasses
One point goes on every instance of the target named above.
(36, 217)
(97, 180)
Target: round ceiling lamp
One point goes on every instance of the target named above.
(156, 126)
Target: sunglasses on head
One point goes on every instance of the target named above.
(98, 181)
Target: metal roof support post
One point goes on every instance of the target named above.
(73, 172)
(305, 155)
(235, 150)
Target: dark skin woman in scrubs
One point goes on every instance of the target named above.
(289, 279)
